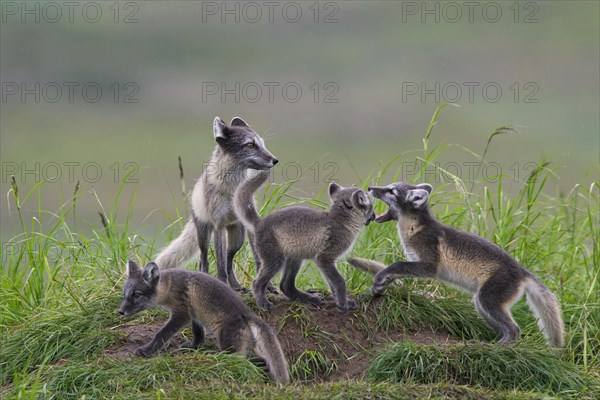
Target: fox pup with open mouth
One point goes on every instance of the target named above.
(435, 250)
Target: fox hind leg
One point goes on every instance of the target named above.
(198, 332)
(288, 283)
(203, 230)
(221, 254)
(258, 262)
(493, 302)
(234, 336)
(336, 283)
(271, 265)
(235, 240)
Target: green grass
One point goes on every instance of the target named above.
(455, 315)
(48, 337)
(521, 367)
(97, 379)
(162, 380)
(127, 379)
(59, 291)
(310, 365)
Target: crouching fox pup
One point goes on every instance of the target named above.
(208, 303)
(285, 238)
(435, 250)
(238, 148)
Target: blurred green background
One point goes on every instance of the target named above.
(369, 73)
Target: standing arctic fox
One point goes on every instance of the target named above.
(435, 250)
(207, 302)
(238, 148)
(287, 237)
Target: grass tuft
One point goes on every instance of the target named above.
(312, 365)
(135, 377)
(112, 382)
(482, 365)
(410, 308)
(53, 336)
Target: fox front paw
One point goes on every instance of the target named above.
(234, 284)
(264, 305)
(313, 299)
(272, 289)
(352, 304)
(143, 352)
(189, 345)
(377, 290)
(507, 340)
(378, 285)
(349, 306)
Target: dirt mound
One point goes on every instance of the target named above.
(321, 344)
(345, 339)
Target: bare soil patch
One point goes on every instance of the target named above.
(344, 339)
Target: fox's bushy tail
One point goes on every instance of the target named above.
(545, 307)
(267, 346)
(181, 249)
(243, 200)
(369, 266)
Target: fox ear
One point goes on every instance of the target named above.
(425, 186)
(237, 121)
(361, 198)
(333, 187)
(220, 129)
(417, 197)
(132, 268)
(151, 273)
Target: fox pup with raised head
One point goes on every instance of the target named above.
(238, 148)
(285, 238)
(435, 250)
(207, 303)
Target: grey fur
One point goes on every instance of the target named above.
(435, 250)
(238, 148)
(207, 303)
(285, 238)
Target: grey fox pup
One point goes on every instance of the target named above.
(238, 148)
(435, 250)
(208, 303)
(285, 238)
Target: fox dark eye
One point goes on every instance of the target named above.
(250, 145)
(137, 295)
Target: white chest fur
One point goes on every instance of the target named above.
(199, 205)
(409, 252)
